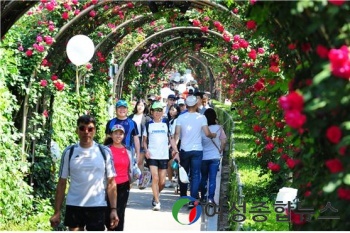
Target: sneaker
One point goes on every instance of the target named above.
(210, 200)
(167, 184)
(154, 200)
(157, 207)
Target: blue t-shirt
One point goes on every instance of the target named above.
(130, 128)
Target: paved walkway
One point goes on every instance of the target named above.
(139, 215)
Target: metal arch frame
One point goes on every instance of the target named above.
(206, 66)
(199, 4)
(121, 67)
(207, 38)
(64, 28)
(62, 33)
(194, 56)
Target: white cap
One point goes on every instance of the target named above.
(191, 100)
(180, 101)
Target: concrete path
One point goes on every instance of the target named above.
(139, 215)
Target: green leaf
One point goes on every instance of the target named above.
(346, 125)
(346, 179)
(316, 104)
(322, 75)
(331, 186)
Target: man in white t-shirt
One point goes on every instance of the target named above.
(155, 140)
(188, 128)
(88, 170)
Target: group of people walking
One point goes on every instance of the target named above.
(101, 175)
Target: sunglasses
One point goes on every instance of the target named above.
(158, 110)
(83, 128)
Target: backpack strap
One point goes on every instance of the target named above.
(103, 152)
(128, 140)
(166, 121)
(71, 150)
(146, 128)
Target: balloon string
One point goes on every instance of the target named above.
(77, 80)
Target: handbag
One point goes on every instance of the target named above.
(183, 175)
(136, 173)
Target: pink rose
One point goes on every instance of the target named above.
(43, 83)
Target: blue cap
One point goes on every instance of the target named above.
(171, 96)
(121, 103)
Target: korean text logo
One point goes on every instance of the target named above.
(194, 213)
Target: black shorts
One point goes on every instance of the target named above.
(92, 218)
(160, 163)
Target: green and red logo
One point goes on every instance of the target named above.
(194, 213)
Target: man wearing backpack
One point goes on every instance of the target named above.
(131, 139)
(89, 165)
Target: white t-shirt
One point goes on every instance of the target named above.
(191, 128)
(209, 149)
(138, 118)
(87, 175)
(172, 125)
(157, 140)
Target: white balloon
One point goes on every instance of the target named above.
(80, 49)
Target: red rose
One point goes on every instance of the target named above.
(274, 167)
(65, 15)
(46, 113)
(196, 23)
(29, 53)
(291, 163)
(252, 54)
(322, 51)
(334, 134)
(294, 118)
(269, 146)
(340, 63)
(226, 37)
(307, 193)
(344, 193)
(292, 46)
(334, 165)
(251, 24)
(292, 101)
(204, 29)
(256, 128)
(259, 85)
(274, 69)
(337, 2)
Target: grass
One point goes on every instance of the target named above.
(255, 186)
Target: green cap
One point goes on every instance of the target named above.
(156, 105)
